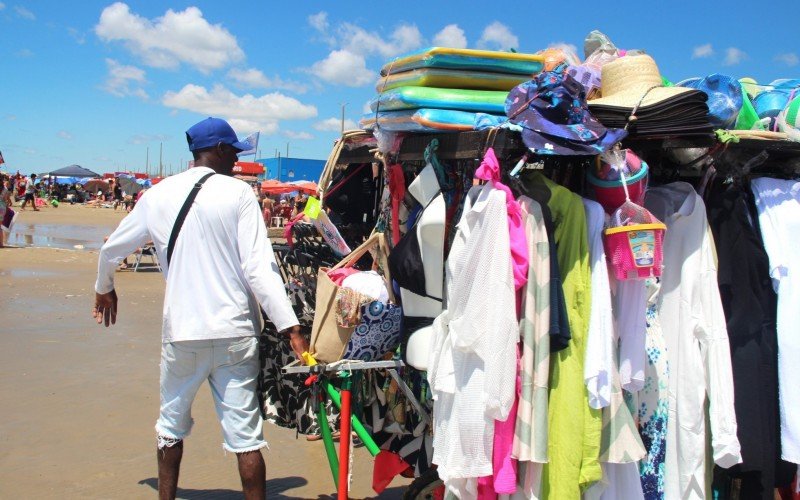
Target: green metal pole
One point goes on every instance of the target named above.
(358, 427)
(327, 439)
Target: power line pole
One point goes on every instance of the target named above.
(160, 157)
(147, 161)
(343, 104)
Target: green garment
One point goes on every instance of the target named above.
(574, 427)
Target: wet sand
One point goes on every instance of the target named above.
(78, 402)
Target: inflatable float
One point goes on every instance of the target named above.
(487, 101)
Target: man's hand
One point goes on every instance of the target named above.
(298, 341)
(105, 308)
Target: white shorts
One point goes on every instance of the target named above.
(231, 368)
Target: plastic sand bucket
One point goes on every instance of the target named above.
(611, 194)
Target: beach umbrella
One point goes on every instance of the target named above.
(73, 171)
(305, 187)
(95, 185)
(129, 185)
(273, 186)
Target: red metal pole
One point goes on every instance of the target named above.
(344, 441)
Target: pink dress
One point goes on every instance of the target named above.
(504, 479)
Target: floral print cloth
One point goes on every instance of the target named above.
(653, 407)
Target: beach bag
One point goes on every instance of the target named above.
(329, 340)
(9, 217)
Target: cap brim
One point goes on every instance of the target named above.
(242, 146)
(631, 98)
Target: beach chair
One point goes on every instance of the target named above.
(147, 250)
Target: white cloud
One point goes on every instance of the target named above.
(566, 47)
(702, 51)
(498, 36)
(167, 41)
(344, 68)
(148, 138)
(24, 13)
(79, 36)
(124, 80)
(298, 136)
(319, 21)
(733, 56)
(246, 113)
(24, 53)
(789, 59)
(254, 79)
(366, 108)
(334, 125)
(251, 78)
(357, 40)
(450, 36)
(64, 135)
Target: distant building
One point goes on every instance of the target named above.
(291, 169)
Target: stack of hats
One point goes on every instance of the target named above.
(442, 89)
(634, 95)
(552, 112)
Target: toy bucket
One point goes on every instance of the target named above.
(635, 251)
(611, 194)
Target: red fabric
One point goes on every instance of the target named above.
(387, 466)
(791, 492)
(397, 187)
(287, 230)
(338, 275)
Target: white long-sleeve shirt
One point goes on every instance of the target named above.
(694, 327)
(599, 359)
(778, 204)
(222, 265)
(473, 363)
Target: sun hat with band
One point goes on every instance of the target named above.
(552, 111)
(212, 131)
(632, 81)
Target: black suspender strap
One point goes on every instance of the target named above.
(187, 205)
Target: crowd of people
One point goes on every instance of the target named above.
(278, 210)
(28, 189)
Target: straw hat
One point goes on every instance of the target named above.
(626, 80)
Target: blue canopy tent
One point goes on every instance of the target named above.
(65, 180)
(72, 171)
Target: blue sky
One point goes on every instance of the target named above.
(97, 83)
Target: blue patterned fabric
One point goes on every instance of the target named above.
(654, 404)
(377, 334)
(555, 118)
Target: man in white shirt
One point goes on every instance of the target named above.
(220, 269)
(30, 193)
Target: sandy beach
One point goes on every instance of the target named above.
(79, 401)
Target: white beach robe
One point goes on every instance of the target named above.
(473, 364)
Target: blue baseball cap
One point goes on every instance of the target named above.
(212, 131)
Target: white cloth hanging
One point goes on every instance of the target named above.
(599, 344)
(473, 363)
(693, 324)
(778, 205)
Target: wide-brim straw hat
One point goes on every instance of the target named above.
(633, 80)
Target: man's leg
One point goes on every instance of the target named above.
(233, 387)
(169, 466)
(253, 472)
(184, 367)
